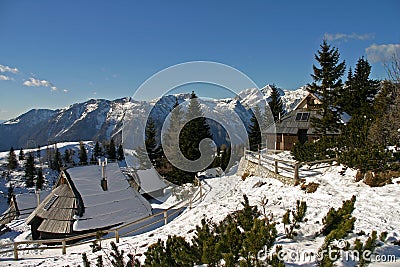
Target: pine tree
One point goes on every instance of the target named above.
(57, 161)
(12, 160)
(97, 150)
(255, 131)
(327, 86)
(67, 156)
(225, 157)
(150, 141)
(83, 158)
(30, 170)
(39, 179)
(120, 152)
(170, 145)
(359, 92)
(21, 155)
(196, 130)
(112, 154)
(177, 116)
(10, 193)
(276, 104)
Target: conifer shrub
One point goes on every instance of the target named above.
(369, 245)
(337, 224)
(292, 219)
(323, 148)
(237, 240)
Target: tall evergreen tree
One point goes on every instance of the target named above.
(170, 136)
(175, 122)
(195, 130)
(39, 179)
(120, 152)
(359, 92)
(150, 140)
(276, 104)
(225, 157)
(112, 154)
(12, 160)
(10, 193)
(97, 150)
(83, 158)
(21, 155)
(57, 161)
(255, 131)
(30, 170)
(67, 156)
(327, 86)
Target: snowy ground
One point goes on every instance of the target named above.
(376, 209)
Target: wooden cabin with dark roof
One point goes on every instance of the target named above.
(296, 126)
(87, 199)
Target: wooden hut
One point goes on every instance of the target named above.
(296, 126)
(87, 199)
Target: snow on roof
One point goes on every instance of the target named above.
(28, 202)
(119, 204)
(150, 181)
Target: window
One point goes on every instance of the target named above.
(302, 116)
(50, 202)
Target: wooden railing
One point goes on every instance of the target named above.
(282, 167)
(64, 243)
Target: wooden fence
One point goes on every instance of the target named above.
(64, 243)
(285, 168)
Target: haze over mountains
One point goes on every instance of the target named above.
(100, 119)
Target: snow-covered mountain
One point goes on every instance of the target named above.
(99, 119)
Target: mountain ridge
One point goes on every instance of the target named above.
(100, 119)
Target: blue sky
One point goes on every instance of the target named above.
(55, 53)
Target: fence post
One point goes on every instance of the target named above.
(296, 171)
(190, 203)
(15, 251)
(64, 247)
(259, 156)
(116, 236)
(276, 167)
(165, 217)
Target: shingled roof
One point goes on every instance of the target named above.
(79, 203)
(295, 120)
(57, 211)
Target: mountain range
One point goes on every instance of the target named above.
(101, 119)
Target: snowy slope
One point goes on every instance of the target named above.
(375, 209)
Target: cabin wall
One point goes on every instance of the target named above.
(287, 141)
(35, 223)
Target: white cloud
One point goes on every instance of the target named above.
(8, 69)
(32, 82)
(5, 78)
(381, 53)
(346, 37)
(36, 83)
